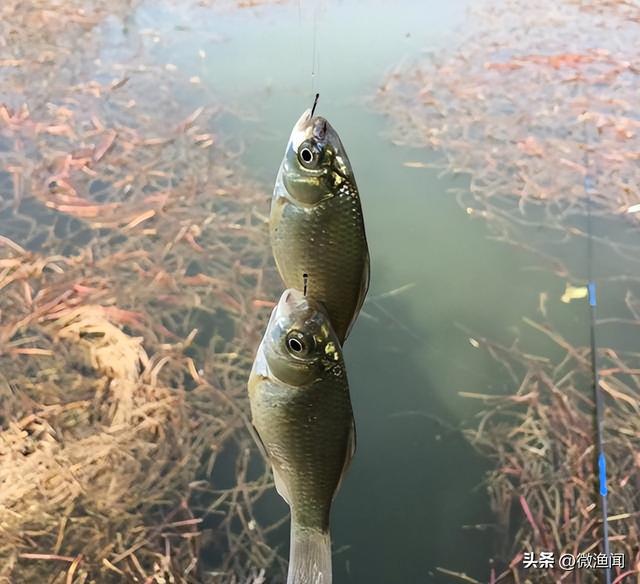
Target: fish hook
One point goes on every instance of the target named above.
(315, 103)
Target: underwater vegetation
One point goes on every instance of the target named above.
(537, 104)
(134, 263)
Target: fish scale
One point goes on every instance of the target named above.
(327, 242)
(308, 453)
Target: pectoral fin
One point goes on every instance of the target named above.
(259, 443)
(351, 449)
(281, 486)
(364, 287)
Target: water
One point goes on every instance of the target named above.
(415, 483)
(415, 489)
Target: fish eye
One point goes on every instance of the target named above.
(295, 345)
(299, 344)
(308, 154)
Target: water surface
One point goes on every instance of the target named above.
(414, 491)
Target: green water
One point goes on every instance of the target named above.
(414, 492)
(414, 483)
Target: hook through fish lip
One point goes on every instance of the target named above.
(289, 299)
(317, 127)
(315, 103)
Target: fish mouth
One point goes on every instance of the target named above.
(301, 129)
(303, 120)
(295, 305)
(290, 301)
(308, 127)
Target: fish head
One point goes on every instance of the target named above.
(315, 163)
(300, 345)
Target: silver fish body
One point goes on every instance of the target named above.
(317, 225)
(301, 412)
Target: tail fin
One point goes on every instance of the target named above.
(310, 556)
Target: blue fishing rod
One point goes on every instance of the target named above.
(589, 188)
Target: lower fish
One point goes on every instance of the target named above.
(303, 422)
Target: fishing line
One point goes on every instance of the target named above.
(589, 188)
(314, 52)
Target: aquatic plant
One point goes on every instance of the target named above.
(532, 99)
(133, 263)
(536, 104)
(541, 439)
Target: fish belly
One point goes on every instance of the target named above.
(306, 433)
(327, 243)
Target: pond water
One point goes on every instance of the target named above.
(414, 492)
(413, 499)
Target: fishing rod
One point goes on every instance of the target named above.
(589, 188)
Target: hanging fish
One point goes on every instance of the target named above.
(317, 227)
(303, 422)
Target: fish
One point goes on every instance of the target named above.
(303, 423)
(316, 223)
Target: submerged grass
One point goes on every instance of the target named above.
(541, 439)
(536, 104)
(532, 99)
(133, 266)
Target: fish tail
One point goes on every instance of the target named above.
(310, 556)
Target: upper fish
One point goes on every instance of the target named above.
(316, 223)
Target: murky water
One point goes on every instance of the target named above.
(414, 492)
